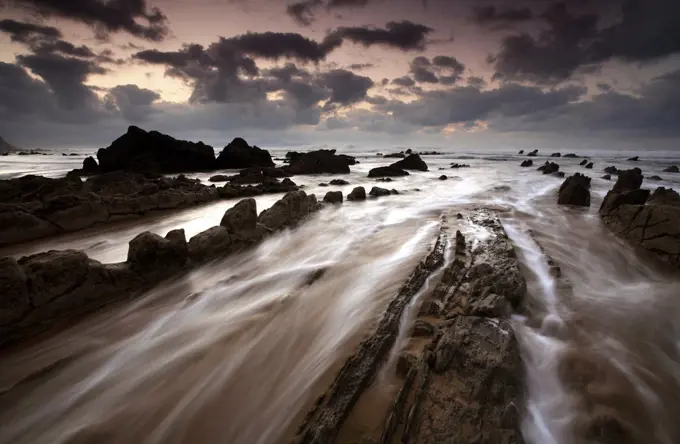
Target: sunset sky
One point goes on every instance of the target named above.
(462, 74)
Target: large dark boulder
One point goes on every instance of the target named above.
(549, 168)
(151, 255)
(90, 166)
(241, 217)
(411, 162)
(387, 171)
(575, 190)
(138, 150)
(628, 180)
(358, 193)
(611, 170)
(319, 162)
(238, 154)
(288, 211)
(589, 165)
(527, 163)
(333, 197)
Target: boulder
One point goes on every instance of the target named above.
(319, 162)
(443, 177)
(238, 154)
(664, 196)
(14, 300)
(19, 225)
(54, 273)
(90, 166)
(628, 180)
(411, 162)
(219, 178)
(611, 170)
(534, 153)
(400, 155)
(520, 152)
(607, 177)
(570, 156)
(358, 193)
(240, 217)
(549, 168)
(379, 192)
(339, 182)
(210, 244)
(655, 177)
(614, 200)
(589, 165)
(556, 155)
(286, 212)
(138, 150)
(387, 171)
(460, 165)
(634, 158)
(333, 197)
(527, 163)
(151, 255)
(584, 162)
(672, 169)
(575, 191)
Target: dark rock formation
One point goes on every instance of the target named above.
(527, 163)
(570, 156)
(242, 217)
(151, 255)
(611, 170)
(655, 177)
(288, 211)
(520, 152)
(400, 155)
(138, 150)
(219, 178)
(333, 197)
(387, 171)
(411, 162)
(90, 166)
(534, 153)
(590, 165)
(556, 155)
(358, 193)
(575, 191)
(443, 177)
(238, 154)
(319, 162)
(379, 192)
(339, 182)
(634, 158)
(258, 175)
(628, 180)
(460, 165)
(607, 177)
(549, 168)
(672, 169)
(584, 162)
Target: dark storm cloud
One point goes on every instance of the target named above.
(492, 15)
(20, 94)
(26, 32)
(105, 16)
(404, 35)
(420, 68)
(303, 11)
(134, 103)
(65, 48)
(360, 66)
(403, 81)
(442, 69)
(346, 87)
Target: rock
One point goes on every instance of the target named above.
(584, 162)
(14, 300)
(672, 169)
(423, 328)
(613, 200)
(90, 166)
(611, 170)
(151, 255)
(384, 179)
(395, 155)
(238, 154)
(138, 150)
(559, 174)
(655, 178)
(460, 242)
(460, 165)
(219, 178)
(589, 165)
(393, 191)
(664, 196)
(323, 184)
(53, 273)
(333, 197)
(319, 162)
(387, 171)
(358, 193)
(73, 212)
(210, 244)
(549, 168)
(379, 192)
(570, 156)
(556, 155)
(286, 212)
(527, 163)
(258, 175)
(339, 182)
(411, 162)
(443, 177)
(240, 217)
(634, 158)
(607, 177)
(19, 225)
(575, 191)
(533, 153)
(628, 180)
(405, 363)
(520, 152)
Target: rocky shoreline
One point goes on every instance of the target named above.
(459, 379)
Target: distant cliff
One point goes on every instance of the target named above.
(6, 147)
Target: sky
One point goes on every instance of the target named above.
(459, 74)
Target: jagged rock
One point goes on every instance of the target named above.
(339, 182)
(590, 165)
(333, 197)
(634, 158)
(400, 155)
(53, 273)
(219, 178)
(210, 244)
(288, 211)
(664, 196)
(520, 152)
(459, 165)
(90, 166)
(534, 153)
(527, 163)
(74, 212)
(258, 175)
(379, 192)
(672, 169)
(240, 217)
(411, 162)
(443, 177)
(423, 328)
(358, 193)
(607, 177)
(575, 191)
(655, 177)
(138, 150)
(556, 155)
(549, 168)
(613, 200)
(387, 171)
(152, 255)
(238, 154)
(628, 180)
(584, 162)
(319, 162)
(14, 301)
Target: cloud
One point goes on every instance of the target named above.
(105, 16)
(346, 87)
(491, 15)
(404, 35)
(403, 81)
(303, 11)
(347, 3)
(26, 32)
(442, 69)
(134, 103)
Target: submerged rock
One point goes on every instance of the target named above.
(672, 169)
(575, 191)
(387, 171)
(607, 177)
(358, 193)
(570, 156)
(655, 178)
(634, 158)
(339, 182)
(219, 178)
(527, 163)
(611, 170)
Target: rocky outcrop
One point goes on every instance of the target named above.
(648, 222)
(634, 158)
(238, 154)
(556, 155)
(257, 175)
(319, 162)
(459, 165)
(142, 151)
(655, 177)
(584, 162)
(379, 192)
(570, 156)
(339, 182)
(527, 163)
(49, 290)
(520, 152)
(333, 197)
(534, 153)
(411, 162)
(549, 168)
(589, 165)
(672, 169)
(443, 177)
(358, 193)
(611, 170)
(387, 171)
(575, 190)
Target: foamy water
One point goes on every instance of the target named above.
(237, 351)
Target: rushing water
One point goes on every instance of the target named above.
(236, 351)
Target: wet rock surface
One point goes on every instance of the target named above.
(358, 193)
(575, 190)
(462, 383)
(319, 162)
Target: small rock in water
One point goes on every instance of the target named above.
(584, 162)
(358, 193)
(527, 163)
(556, 155)
(333, 197)
(459, 216)
(521, 152)
(549, 168)
(607, 177)
(443, 177)
(323, 184)
(533, 153)
(590, 165)
(634, 158)
(219, 178)
(655, 178)
(672, 169)
(338, 182)
(460, 242)
(379, 192)
(611, 170)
